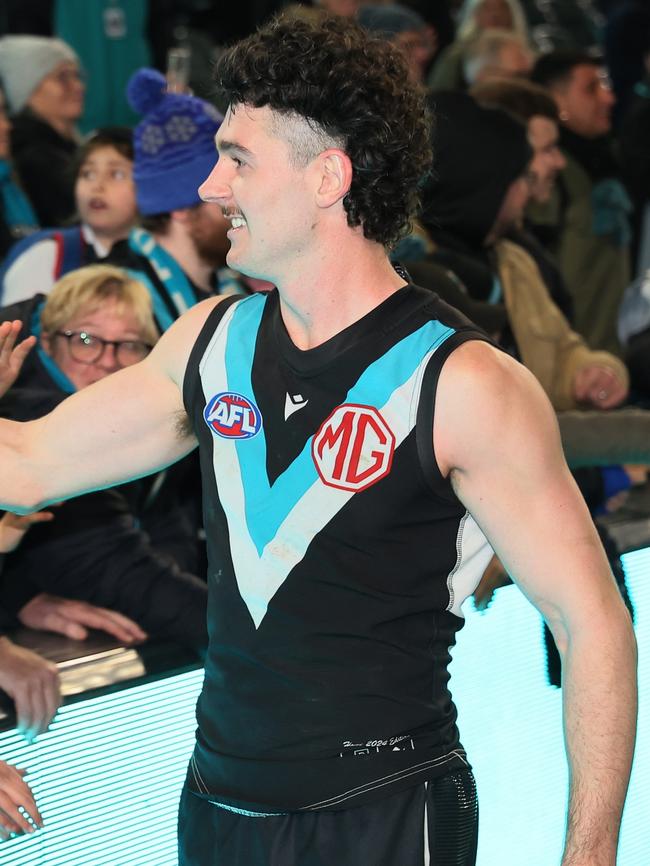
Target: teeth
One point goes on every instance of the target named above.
(237, 222)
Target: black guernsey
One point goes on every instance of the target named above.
(338, 556)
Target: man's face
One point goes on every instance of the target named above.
(110, 321)
(547, 159)
(586, 101)
(416, 51)
(266, 198)
(208, 228)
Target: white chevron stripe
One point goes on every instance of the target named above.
(260, 577)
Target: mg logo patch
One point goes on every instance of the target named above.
(232, 416)
(353, 448)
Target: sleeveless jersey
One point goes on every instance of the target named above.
(338, 556)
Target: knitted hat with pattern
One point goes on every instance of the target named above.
(174, 144)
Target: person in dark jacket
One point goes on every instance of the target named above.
(45, 91)
(94, 322)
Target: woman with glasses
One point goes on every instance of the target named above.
(44, 86)
(96, 321)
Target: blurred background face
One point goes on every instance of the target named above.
(5, 128)
(513, 206)
(346, 8)
(514, 60)
(586, 101)
(547, 160)
(105, 193)
(417, 51)
(110, 321)
(60, 95)
(493, 13)
(207, 228)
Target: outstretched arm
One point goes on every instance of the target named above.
(126, 426)
(513, 479)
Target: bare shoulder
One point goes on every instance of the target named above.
(489, 407)
(172, 351)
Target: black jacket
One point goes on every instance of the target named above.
(95, 549)
(44, 161)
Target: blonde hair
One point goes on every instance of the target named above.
(88, 288)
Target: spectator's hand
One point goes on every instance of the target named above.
(15, 793)
(12, 355)
(72, 618)
(494, 577)
(33, 684)
(599, 386)
(14, 526)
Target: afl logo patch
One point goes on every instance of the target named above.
(232, 416)
(353, 448)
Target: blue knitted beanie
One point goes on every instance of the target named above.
(174, 143)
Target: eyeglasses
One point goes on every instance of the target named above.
(88, 349)
(66, 77)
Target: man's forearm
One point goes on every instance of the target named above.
(21, 489)
(600, 710)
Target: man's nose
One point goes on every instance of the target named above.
(215, 188)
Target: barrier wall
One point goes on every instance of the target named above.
(108, 774)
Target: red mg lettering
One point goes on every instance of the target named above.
(354, 448)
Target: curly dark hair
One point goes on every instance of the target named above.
(352, 89)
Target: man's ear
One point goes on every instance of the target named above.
(335, 177)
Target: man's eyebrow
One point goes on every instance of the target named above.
(225, 146)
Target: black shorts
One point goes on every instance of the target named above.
(434, 823)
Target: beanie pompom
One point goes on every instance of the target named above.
(145, 90)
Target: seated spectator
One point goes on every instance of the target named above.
(476, 16)
(105, 200)
(403, 27)
(30, 680)
(496, 53)
(43, 85)
(182, 242)
(534, 106)
(95, 321)
(478, 194)
(17, 217)
(586, 224)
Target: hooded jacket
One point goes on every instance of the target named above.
(478, 153)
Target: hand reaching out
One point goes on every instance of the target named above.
(33, 684)
(12, 356)
(15, 793)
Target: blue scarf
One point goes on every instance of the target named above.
(17, 210)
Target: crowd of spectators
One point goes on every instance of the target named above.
(535, 223)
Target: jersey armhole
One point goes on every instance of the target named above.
(191, 377)
(437, 483)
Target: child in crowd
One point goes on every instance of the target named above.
(106, 206)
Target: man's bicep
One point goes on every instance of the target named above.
(507, 467)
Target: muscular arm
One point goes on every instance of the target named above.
(126, 426)
(513, 479)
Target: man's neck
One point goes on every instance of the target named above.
(345, 283)
(181, 247)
